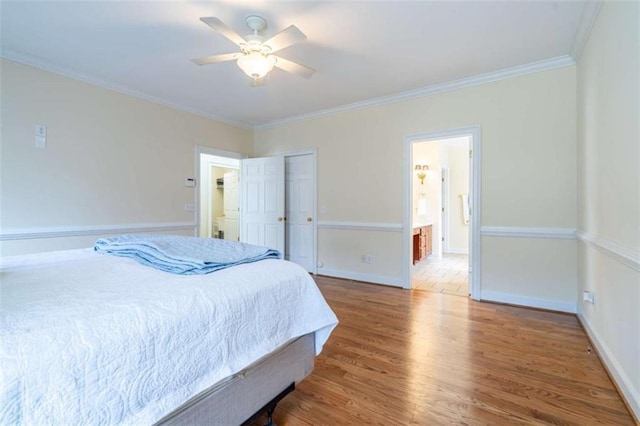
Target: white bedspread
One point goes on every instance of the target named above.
(94, 339)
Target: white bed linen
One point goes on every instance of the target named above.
(96, 339)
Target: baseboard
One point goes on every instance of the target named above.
(621, 380)
(349, 275)
(531, 302)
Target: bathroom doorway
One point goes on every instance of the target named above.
(440, 196)
(441, 185)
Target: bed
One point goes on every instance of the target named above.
(89, 338)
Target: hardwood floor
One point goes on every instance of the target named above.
(402, 357)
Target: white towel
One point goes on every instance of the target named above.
(465, 208)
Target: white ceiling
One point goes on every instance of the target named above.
(360, 50)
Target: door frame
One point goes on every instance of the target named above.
(474, 132)
(445, 189)
(217, 153)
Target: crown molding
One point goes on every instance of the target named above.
(588, 17)
(517, 71)
(45, 65)
(520, 70)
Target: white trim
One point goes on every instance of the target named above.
(616, 251)
(474, 132)
(361, 226)
(517, 71)
(528, 232)
(445, 213)
(457, 251)
(631, 396)
(199, 149)
(590, 11)
(356, 276)
(532, 302)
(109, 85)
(76, 231)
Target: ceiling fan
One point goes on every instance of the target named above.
(256, 57)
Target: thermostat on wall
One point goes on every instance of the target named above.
(189, 182)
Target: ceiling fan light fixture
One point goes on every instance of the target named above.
(255, 64)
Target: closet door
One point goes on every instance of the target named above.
(262, 205)
(300, 207)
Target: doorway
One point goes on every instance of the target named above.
(441, 231)
(296, 189)
(218, 197)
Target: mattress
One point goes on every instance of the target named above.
(95, 339)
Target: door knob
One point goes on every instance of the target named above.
(280, 218)
(309, 219)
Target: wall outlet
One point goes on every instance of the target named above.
(588, 297)
(41, 136)
(367, 258)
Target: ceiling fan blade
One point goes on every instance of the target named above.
(216, 58)
(293, 67)
(221, 27)
(285, 38)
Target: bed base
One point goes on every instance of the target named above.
(245, 395)
(270, 407)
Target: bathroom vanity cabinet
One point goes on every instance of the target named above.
(421, 243)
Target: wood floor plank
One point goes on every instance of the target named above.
(411, 357)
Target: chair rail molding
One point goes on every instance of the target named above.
(76, 231)
(622, 253)
(528, 232)
(361, 226)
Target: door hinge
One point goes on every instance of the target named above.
(443, 239)
(443, 209)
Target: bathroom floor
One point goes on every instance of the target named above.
(449, 274)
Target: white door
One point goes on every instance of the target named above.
(299, 232)
(262, 202)
(231, 206)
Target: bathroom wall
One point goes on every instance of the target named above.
(458, 185)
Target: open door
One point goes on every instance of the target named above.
(262, 203)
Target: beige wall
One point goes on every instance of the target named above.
(528, 169)
(459, 184)
(111, 159)
(609, 191)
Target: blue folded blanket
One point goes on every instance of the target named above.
(184, 255)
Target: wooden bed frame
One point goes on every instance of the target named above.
(241, 397)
